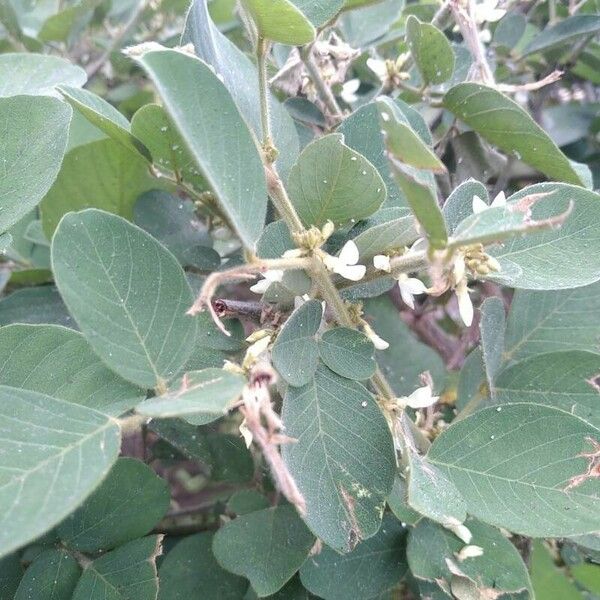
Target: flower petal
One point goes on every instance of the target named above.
(421, 398)
(499, 200)
(407, 297)
(415, 286)
(382, 263)
(351, 272)
(479, 205)
(465, 306)
(260, 287)
(349, 254)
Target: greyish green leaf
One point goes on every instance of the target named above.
(568, 380)
(34, 138)
(127, 293)
(555, 258)
(501, 121)
(317, 11)
(267, 547)
(105, 117)
(35, 305)
(402, 368)
(332, 182)
(341, 430)
(127, 573)
(127, 505)
(37, 74)
(431, 50)
(11, 572)
(571, 29)
(241, 79)
(152, 126)
(52, 455)
(59, 362)
(373, 567)
(103, 174)
(295, 353)
(459, 204)
(388, 229)
(520, 466)
(549, 582)
(274, 240)
(280, 21)
(348, 353)
(398, 503)
(209, 391)
(190, 570)
(491, 327)
(212, 128)
(365, 25)
(53, 575)
(538, 322)
(174, 223)
(499, 569)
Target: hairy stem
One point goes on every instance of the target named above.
(262, 48)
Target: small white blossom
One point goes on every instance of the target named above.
(421, 398)
(382, 262)
(378, 342)
(459, 529)
(479, 205)
(345, 263)
(465, 306)
(469, 552)
(409, 288)
(269, 277)
(256, 349)
(378, 67)
(349, 90)
(487, 11)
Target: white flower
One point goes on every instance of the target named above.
(256, 349)
(378, 342)
(469, 552)
(345, 263)
(458, 529)
(479, 205)
(349, 90)
(421, 398)
(382, 263)
(378, 67)
(465, 306)
(269, 277)
(487, 11)
(410, 287)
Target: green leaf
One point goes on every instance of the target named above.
(274, 240)
(365, 25)
(554, 258)
(398, 503)
(190, 570)
(502, 122)
(247, 501)
(565, 380)
(52, 456)
(37, 74)
(105, 117)
(280, 21)
(541, 322)
(499, 569)
(59, 362)
(402, 141)
(35, 305)
(317, 11)
(127, 573)
(569, 30)
(549, 582)
(588, 576)
(402, 368)
(174, 223)
(295, 353)
(510, 30)
(215, 133)
(388, 229)
(331, 181)
(267, 547)
(127, 293)
(431, 50)
(52, 575)
(459, 204)
(491, 327)
(152, 126)
(11, 572)
(209, 391)
(513, 464)
(362, 133)
(34, 133)
(373, 567)
(210, 336)
(342, 432)
(241, 79)
(348, 353)
(129, 503)
(102, 174)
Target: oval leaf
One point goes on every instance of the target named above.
(127, 293)
(348, 353)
